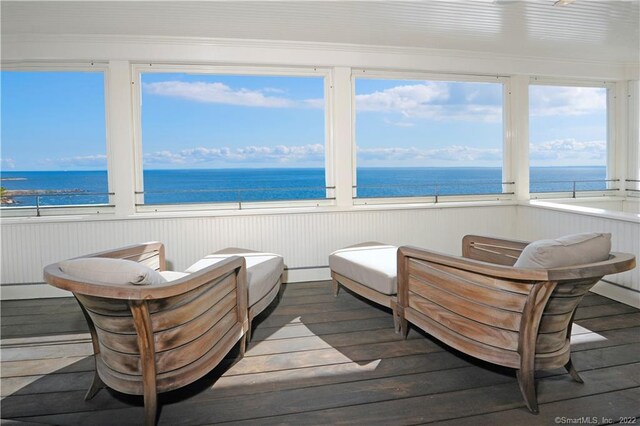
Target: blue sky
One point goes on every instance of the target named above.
(53, 121)
(567, 125)
(56, 121)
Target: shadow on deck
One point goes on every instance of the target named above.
(317, 359)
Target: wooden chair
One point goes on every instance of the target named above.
(481, 305)
(156, 338)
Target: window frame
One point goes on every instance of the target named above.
(508, 184)
(610, 164)
(69, 209)
(137, 69)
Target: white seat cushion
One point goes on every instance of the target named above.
(263, 269)
(371, 264)
(173, 275)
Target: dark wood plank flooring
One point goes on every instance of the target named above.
(317, 359)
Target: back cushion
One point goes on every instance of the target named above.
(111, 271)
(569, 250)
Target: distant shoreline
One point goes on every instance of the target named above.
(9, 194)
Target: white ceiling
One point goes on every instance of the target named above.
(585, 29)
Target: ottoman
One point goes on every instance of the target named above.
(370, 270)
(264, 272)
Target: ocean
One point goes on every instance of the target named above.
(234, 185)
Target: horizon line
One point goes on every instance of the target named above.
(299, 168)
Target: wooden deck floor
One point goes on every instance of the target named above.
(316, 359)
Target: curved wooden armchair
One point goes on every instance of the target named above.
(483, 306)
(156, 338)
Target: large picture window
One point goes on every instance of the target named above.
(568, 138)
(425, 138)
(232, 138)
(53, 139)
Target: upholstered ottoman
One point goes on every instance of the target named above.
(264, 272)
(368, 269)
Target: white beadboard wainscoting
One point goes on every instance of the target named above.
(550, 220)
(304, 239)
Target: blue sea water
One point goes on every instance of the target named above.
(234, 185)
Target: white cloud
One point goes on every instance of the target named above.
(403, 99)
(453, 154)
(401, 123)
(313, 103)
(7, 163)
(567, 101)
(219, 93)
(273, 90)
(568, 149)
(465, 154)
(555, 152)
(96, 160)
(280, 154)
(430, 100)
(165, 157)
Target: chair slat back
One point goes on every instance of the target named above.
(185, 328)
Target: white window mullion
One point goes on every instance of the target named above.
(518, 136)
(120, 152)
(617, 131)
(633, 134)
(343, 136)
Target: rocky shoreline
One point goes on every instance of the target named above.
(9, 195)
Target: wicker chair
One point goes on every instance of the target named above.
(160, 337)
(481, 305)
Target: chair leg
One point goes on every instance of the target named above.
(573, 372)
(526, 381)
(248, 334)
(243, 346)
(96, 385)
(336, 287)
(404, 327)
(396, 316)
(150, 406)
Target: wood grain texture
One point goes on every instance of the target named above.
(152, 339)
(484, 307)
(324, 371)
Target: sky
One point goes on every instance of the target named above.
(56, 121)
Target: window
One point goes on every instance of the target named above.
(428, 138)
(568, 138)
(231, 138)
(53, 139)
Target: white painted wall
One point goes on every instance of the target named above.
(304, 239)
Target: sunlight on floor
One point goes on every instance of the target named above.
(40, 356)
(301, 355)
(580, 335)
